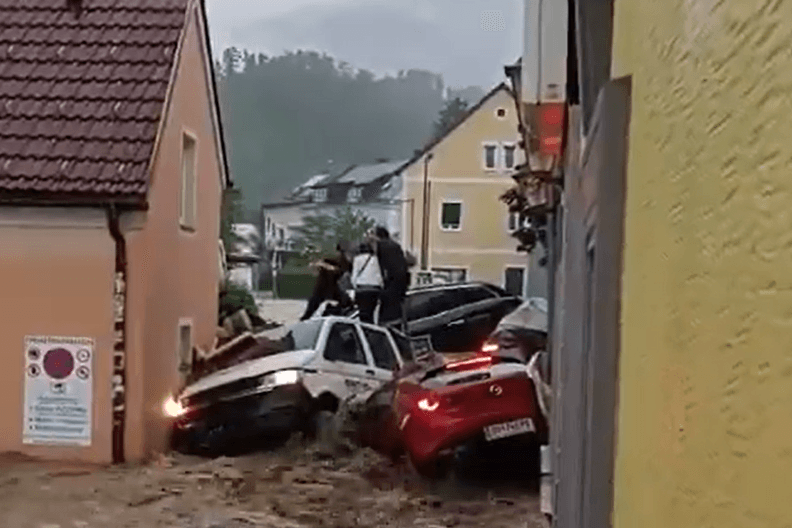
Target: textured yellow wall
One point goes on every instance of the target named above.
(705, 416)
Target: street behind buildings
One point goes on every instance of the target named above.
(291, 487)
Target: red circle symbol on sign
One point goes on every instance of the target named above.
(58, 363)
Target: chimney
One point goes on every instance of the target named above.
(75, 6)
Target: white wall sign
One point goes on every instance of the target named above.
(58, 390)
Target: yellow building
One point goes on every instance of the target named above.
(467, 230)
(677, 277)
(707, 311)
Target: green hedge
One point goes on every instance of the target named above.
(295, 285)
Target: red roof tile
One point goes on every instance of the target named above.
(81, 97)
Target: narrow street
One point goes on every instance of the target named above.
(292, 487)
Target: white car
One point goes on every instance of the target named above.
(298, 372)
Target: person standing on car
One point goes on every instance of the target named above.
(367, 280)
(396, 278)
(330, 271)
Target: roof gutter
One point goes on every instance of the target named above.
(119, 344)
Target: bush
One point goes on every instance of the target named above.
(295, 285)
(233, 298)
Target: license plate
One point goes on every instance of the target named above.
(503, 430)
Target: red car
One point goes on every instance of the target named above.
(482, 398)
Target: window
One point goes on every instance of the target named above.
(404, 345)
(451, 274)
(320, 195)
(299, 336)
(508, 156)
(280, 234)
(381, 349)
(421, 304)
(185, 343)
(490, 156)
(514, 222)
(501, 113)
(476, 294)
(343, 344)
(451, 216)
(355, 194)
(515, 281)
(187, 210)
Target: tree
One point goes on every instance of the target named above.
(230, 213)
(450, 115)
(319, 234)
(284, 116)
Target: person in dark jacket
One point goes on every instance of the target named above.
(396, 276)
(330, 271)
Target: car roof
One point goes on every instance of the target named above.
(431, 287)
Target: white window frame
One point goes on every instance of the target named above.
(484, 146)
(188, 222)
(461, 215)
(320, 195)
(441, 269)
(525, 277)
(184, 322)
(503, 146)
(355, 194)
(517, 226)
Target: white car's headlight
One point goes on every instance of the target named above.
(172, 407)
(279, 378)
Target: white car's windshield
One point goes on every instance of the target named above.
(299, 336)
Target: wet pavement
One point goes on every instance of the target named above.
(293, 487)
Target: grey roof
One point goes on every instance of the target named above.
(362, 174)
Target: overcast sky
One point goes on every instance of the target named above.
(467, 41)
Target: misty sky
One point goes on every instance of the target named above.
(467, 41)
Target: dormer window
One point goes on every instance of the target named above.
(355, 194)
(320, 195)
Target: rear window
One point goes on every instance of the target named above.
(421, 304)
(500, 292)
(475, 294)
(299, 336)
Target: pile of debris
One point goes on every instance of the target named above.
(235, 343)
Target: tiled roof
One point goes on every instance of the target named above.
(81, 97)
(362, 174)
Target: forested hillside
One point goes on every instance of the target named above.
(288, 117)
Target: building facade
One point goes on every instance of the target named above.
(669, 366)
(452, 216)
(372, 190)
(111, 178)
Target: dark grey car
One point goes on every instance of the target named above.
(457, 317)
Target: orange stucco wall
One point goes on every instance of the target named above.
(172, 273)
(57, 271)
(56, 279)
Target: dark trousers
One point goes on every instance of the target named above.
(367, 302)
(391, 302)
(326, 288)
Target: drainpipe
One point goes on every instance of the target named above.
(119, 344)
(425, 223)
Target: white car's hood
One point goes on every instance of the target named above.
(249, 369)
